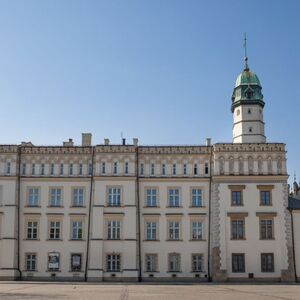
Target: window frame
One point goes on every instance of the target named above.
(114, 202)
(233, 265)
(30, 260)
(151, 196)
(172, 196)
(56, 188)
(264, 268)
(118, 258)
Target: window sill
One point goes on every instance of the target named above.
(174, 272)
(54, 206)
(31, 239)
(151, 206)
(76, 271)
(54, 240)
(77, 206)
(112, 271)
(197, 206)
(113, 240)
(151, 271)
(174, 207)
(151, 240)
(197, 240)
(265, 205)
(76, 240)
(33, 206)
(270, 239)
(170, 240)
(30, 271)
(53, 271)
(242, 239)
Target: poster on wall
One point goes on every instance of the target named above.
(53, 261)
(76, 262)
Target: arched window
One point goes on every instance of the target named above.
(270, 169)
(250, 165)
(222, 165)
(259, 165)
(279, 165)
(241, 165)
(231, 165)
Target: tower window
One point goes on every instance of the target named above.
(249, 111)
(249, 94)
(238, 112)
(250, 129)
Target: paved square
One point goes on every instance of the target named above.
(45, 291)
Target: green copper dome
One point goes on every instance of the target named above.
(247, 78)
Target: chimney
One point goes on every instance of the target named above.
(106, 142)
(123, 142)
(70, 143)
(86, 139)
(135, 141)
(208, 142)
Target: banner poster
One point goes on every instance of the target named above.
(53, 261)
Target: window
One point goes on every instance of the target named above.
(77, 230)
(54, 230)
(30, 261)
(80, 169)
(115, 168)
(1, 195)
(173, 197)
(53, 261)
(152, 169)
(103, 168)
(71, 169)
(206, 168)
(33, 169)
(266, 229)
(23, 169)
(184, 169)
(174, 233)
(151, 262)
(250, 129)
(151, 197)
(196, 197)
(197, 230)
(249, 111)
(8, 168)
(56, 197)
(265, 198)
(114, 230)
(163, 169)
(174, 169)
(197, 263)
(76, 262)
(113, 262)
(90, 169)
(32, 230)
(236, 198)
(61, 169)
(33, 196)
(42, 169)
(151, 231)
(126, 167)
(195, 169)
(238, 262)
(78, 194)
(52, 169)
(267, 262)
(141, 169)
(174, 262)
(237, 229)
(114, 196)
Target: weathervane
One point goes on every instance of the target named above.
(246, 56)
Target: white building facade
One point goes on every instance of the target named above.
(150, 213)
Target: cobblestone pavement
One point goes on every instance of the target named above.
(57, 291)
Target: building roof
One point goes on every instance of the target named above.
(294, 203)
(247, 78)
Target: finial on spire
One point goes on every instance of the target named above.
(246, 57)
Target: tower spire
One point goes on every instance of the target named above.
(246, 68)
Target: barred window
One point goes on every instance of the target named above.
(151, 262)
(30, 261)
(113, 262)
(197, 262)
(174, 262)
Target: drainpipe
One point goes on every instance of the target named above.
(89, 217)
(138, 215)
(18, 170)
(293, 243)
(209, 215)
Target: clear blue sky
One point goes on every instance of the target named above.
(159, 70)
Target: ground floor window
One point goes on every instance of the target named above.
(197, 262)
(238, 262)
(113, 262)
(53, 261)
(174, 262)
(267, 262)
(151, 262)
(30, 262)
(76, 262)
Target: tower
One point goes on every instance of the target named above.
(247, 107)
